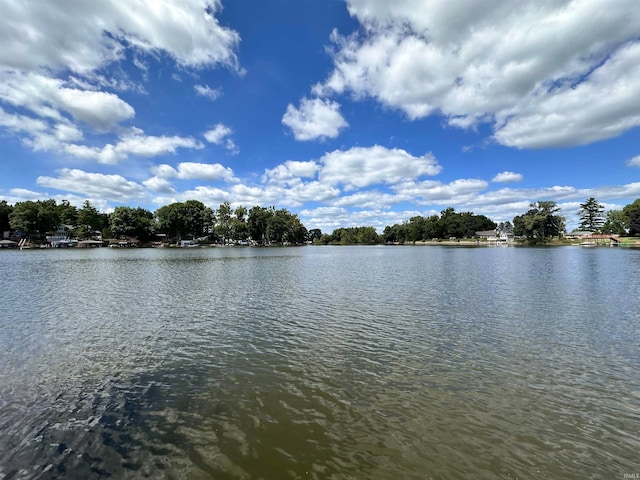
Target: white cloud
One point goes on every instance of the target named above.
(604, 105)
(297, 194)
(634, 162)
(316, 119)
(106, 154)
(22, 123)
(131, 144)
(99, 109)
(367, 199)
(360, 167)
(219, 135)
(192, 170)
(507, 177)
(159, 185)
(111, 187)
(208, 92)
(457, 192)
(90, 35)
(151, 146)
(290, 172)
(54, 58)
(50, 99)
(548, 73)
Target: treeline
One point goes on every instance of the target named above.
(617, 222)
(538, 224)
(350, 236)
(180, 220)
(449, 224)
(264, 225)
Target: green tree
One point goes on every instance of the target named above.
(540, 222)
(352, 236)
(285, 227)
(67, 213)
(89, 220)
(614, 223)
(48, 218)
(223, 222)
(449, 224)
(31, 217)
(396, 233)
(131, 222)
(5, 213)
(190, 219)
(628, 212)
(257, 223)
(24, 217)
(239, 227)
(314, 234)
(591, 215)
(634, 222)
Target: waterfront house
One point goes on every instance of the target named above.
(578, 234)
(495, 236)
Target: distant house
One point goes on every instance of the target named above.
(495, 236)
(488, 235)
(578, 234)
(61, 237)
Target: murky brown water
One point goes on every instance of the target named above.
(320, 362)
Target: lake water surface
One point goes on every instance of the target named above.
(320, 362)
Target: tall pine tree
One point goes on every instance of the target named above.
(591, 215)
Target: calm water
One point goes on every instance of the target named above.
(320, 362)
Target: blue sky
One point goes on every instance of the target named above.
(347, 112)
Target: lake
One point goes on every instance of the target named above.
(379, 362)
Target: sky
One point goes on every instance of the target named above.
(346, 112)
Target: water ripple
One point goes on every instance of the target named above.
(319, 363)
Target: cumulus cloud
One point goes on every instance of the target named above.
(507, 177)
(135, 144)
(322, 180)
(430, 191)
(219, 135)
(88, 36)
(368, 199)
(54, 58)
(316, 119)
(290, 172)
(111, 187)
(159, 185)
(543, 75)
(193, 170)
(50, 99)
(634, 162)
(359, 166)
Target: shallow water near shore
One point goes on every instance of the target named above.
(320, 362)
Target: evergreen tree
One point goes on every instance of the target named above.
(591, 215)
